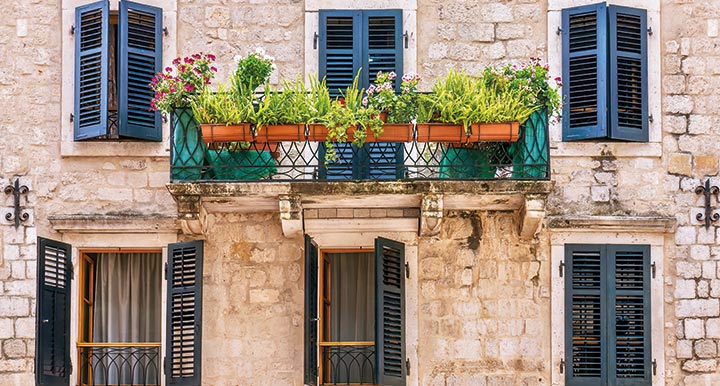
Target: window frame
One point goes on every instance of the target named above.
(130, 147)
(586, 148)
(598, 235)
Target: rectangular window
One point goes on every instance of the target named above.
(605, 76)
(607, 310)
(354, 328)
(116, 56)
(366, 41)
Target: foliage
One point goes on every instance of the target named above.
(222, 106)
(319, 99)
(252, 71)
(401, 108)
(290, 105)
(178, 85)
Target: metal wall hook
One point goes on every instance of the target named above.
(18, 215)
(709, 191)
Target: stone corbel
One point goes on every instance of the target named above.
(189, 215)
(431, 214)
(291, 215)
(531, 216)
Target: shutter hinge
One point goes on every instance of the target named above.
(650, 31)
(650, 118)
(406, 39)
(165, 31)
(562, 366)
(315, 40)
(407, 270)
(72, 117)
(166, 271)
(654, 365)
(407, 366)
(164, 365)
(562, 268)
(558, 31)
(652, 269)
(72, 30)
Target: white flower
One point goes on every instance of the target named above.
(260, 51)
(237, 59)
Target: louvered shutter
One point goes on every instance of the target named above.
(340, 48)
(140, 57)
(184, 314)
(52, 349)
(389, 312)
(585, 309)
(628, 74)
(629, 315)
(584, 47)
(91, 70)
(310, 363)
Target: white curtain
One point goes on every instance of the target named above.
(352, 314)
(127, 308)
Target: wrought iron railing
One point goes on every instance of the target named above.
(118, 364)
(347, 363)
(193, 160)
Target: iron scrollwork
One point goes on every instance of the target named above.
(18, 215)
(709, 191)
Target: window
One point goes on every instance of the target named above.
(119, 316)
(607, 315)
(365, 41)
(116, 56)
(354, 318)
(605, 71)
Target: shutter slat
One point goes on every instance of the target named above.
(91, 70)
(310, 362)
(52, 350)
(184, 314)
(390, 312)
(140, 58)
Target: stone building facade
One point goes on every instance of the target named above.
(484, 299)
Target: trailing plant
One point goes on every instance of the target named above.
(178, 85)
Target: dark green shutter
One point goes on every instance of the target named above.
(628, 74)
(91, 70)
(140, 57)
(390, 312)
(585, 343)
(310, 363)
(52, 349)
(629, 315)
(584, 48)
(184, 270)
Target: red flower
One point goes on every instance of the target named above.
(342, 101)
(189, 87)
(176, 61)
(211, 56)
(197, 56)
(213, 69)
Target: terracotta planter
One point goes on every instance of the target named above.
(317, 132)
(441, 132)
(226, 133)
(280, 133)
(495, 132)
(393, 132)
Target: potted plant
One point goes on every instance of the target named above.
(281, 115)
(175, 89)
(397, 111)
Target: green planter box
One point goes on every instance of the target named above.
(241, 164)
(188, 148)
(464, 163)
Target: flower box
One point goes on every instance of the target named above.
(441, 132)
(317, 132)
(494, 132)
(227, 133)
(280, 133)
(392, 132)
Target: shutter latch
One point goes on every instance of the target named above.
(165, 31)
(407, 366)
(654, 364)
(561, 268)
(315, 40)
(650, 31)
(166, 271)
(406, 38)
(72, 30)
(652, 269)
(407, 270)
(559, 31)
(562, 366)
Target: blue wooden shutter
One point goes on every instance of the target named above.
(390, 355)
(184, 314)
(340, 48)
(52, 349)
(584, 47)
(628, 74)
(310, 363)
(91, 70)
(140, 57)
(585, 309)
(629, 324)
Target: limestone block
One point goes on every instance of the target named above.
(715, 288)
(674, 84)
(704, 236)
(700, 252)
(678, 104)
(600, 193)
(685, 289)
(676, 124)
(680, 163)
(14, 306)
(15, 365)
(482, 32)
(712, 328)
(684, 349)
(708, 270)
(509, 31)
(702, 380)
(6, 328)
(694, 328)
(697, 308)
(693, 65)
(25, 327)
(700, 366)
(703, 289)
(672, 46)
(685, 236)
(706, 164)
(705, 348)
(14, 348)
(20, 287)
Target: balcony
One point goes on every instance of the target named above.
(119, 364)
(194, 161)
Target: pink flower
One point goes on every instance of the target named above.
(557, 79)
(211, 56)
(176, 61)
(197, 56)
(371, 89)
(213, 69)
(189, 61)
(168, 69)
(392, 75)
(365, 101)
(189, 87)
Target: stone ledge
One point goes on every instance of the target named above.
(647, 224)
(120, 223)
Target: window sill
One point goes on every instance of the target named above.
(596, 149)
(114, 149)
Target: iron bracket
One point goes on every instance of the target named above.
(18, 215)
(708, 191)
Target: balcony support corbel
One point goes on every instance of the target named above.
(531, 216)
(291, 215)
(189, 215)
(431, 214)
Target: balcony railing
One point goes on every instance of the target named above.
(119, 364)
(347, 363)
(526, 159)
